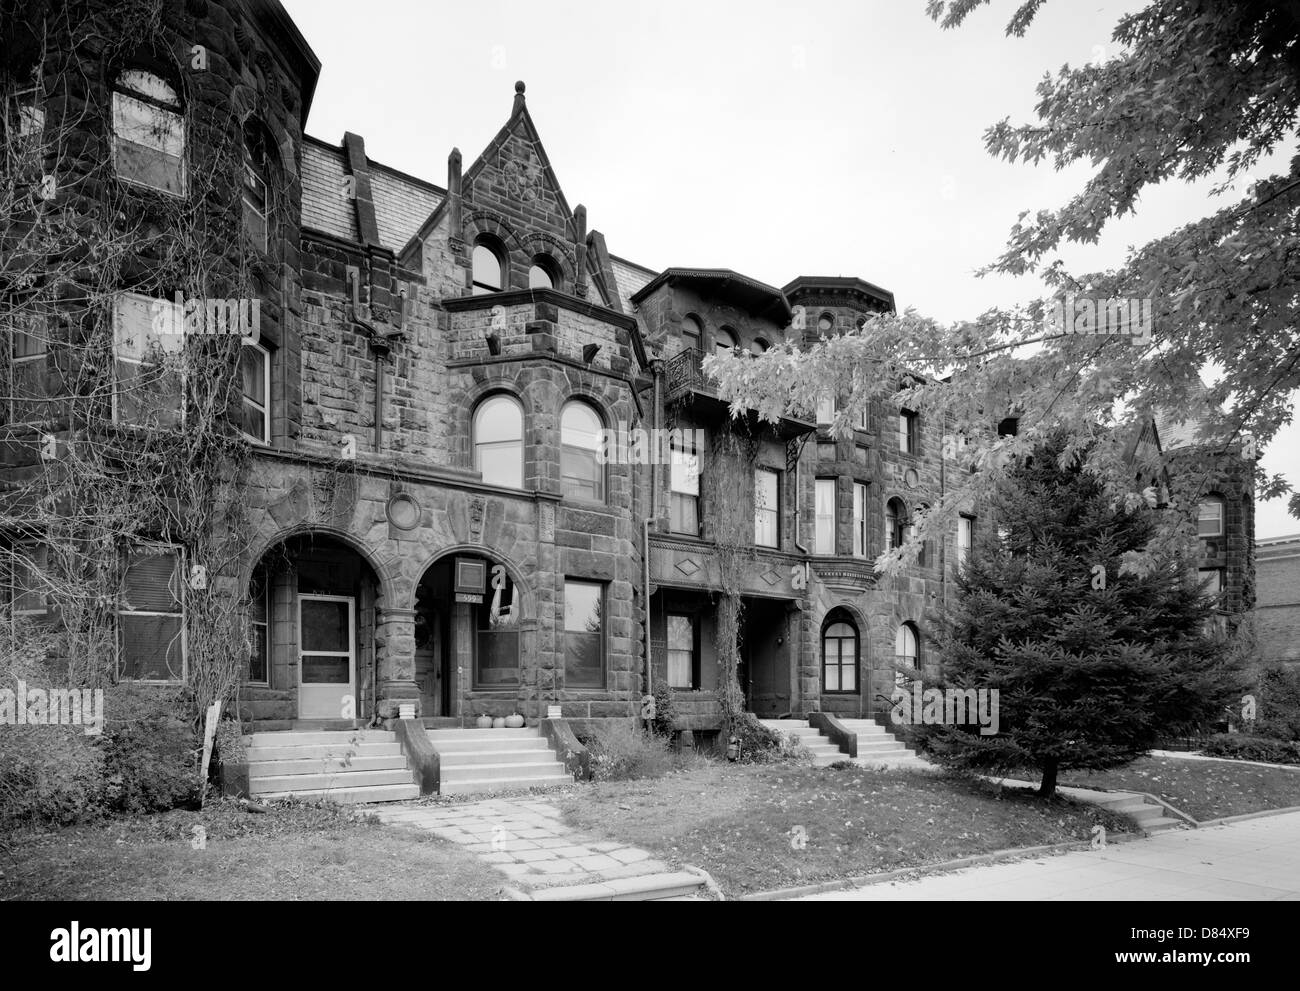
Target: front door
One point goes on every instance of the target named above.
(327, 639)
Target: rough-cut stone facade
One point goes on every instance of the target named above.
(381, 351)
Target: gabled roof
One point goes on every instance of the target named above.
(631, 278)
(402, 202)
(757, 298)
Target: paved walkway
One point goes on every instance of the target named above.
(1255, 860)
(528, 842)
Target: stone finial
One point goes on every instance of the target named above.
(519, 96)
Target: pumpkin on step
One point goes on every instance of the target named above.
(484, 721)
(514, 721)
(499, 722)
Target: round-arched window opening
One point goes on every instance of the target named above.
(825, 323)
(759, 346)
(489, 270)
(839, 653)
(726, 341)
(498, 436)
(543, 274)
(582, 445)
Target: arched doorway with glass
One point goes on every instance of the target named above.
(469, 622)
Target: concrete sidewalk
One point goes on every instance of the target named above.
(1255, 860)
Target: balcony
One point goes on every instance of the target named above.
(685, 381)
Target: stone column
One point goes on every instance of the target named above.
(395, 653)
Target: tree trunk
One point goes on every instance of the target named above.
(1048, 788)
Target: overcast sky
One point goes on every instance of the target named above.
(774, 138)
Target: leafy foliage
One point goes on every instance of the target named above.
(1199, 89)
(1263, 749)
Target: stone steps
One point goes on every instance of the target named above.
(484, 761)
(344, 766)
(677, 886)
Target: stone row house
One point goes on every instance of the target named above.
(432, 526)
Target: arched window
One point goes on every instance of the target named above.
(839, 654)
(257, 203)
(499, 441)
(825, 323)
(692, 332)
(582, 469)
(895, 524)
(1209, 521)
(759, 346)
(148, 132)
(726, 341)
(544, 274)
(489, 267)
(907, 648)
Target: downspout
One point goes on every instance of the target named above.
(807, 569)
(655, 368)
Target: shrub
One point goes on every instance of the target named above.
(761, 745)
(665, 710)
(1279, 703)
(1257, 748)
(620, 751)
(151, 751)
(49, 775)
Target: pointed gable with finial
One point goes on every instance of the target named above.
(510, 200)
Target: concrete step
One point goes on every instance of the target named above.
(321, 751)
(477, 786)
(645, 888)
(277, 783)
(325, 765)
(480, 746)
(313, 738)
(466, 758)
(350, 796)
(514, 772)
(453, 735)
(1161, 824)
(1141, 811)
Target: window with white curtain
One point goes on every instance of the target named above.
(825, 543)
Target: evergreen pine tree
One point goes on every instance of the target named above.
(1089, 677)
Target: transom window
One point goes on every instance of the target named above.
(839, 654)
(582, 469)
(148, 132)
(499, 441)
(489, 269)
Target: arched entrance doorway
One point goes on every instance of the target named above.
(312, 615)
(468, 612)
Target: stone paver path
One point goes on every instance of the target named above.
(528, 841)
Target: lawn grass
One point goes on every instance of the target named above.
(292, 853)
(1204, 789)
(742, 824)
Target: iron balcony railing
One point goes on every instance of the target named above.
(684, 373)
